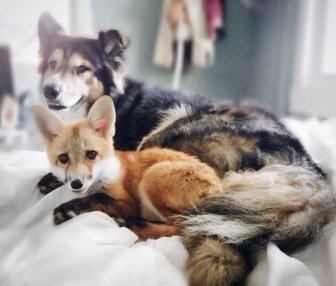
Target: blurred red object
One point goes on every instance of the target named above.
(213, 15)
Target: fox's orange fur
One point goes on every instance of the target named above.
(154, 184)
(157, 184)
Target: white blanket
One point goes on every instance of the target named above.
(92, 250)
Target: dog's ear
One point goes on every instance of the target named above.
(48, 123)
(102, 116)
(112, 41)
(114, 46)
(48, 28)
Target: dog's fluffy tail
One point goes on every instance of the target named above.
(286, 205)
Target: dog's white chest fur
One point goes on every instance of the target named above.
(71, 114)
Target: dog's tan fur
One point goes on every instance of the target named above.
(213, 263)
(56, 56)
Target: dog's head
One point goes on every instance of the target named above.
(77, 69)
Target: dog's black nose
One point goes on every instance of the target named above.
(76, 184)
(50, 92)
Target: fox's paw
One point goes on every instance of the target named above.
(69, 210)
(48, 183)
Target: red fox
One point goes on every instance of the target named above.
(154, 184)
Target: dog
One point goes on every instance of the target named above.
(274, 190)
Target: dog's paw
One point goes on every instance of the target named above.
(69, 210)
(48, 183)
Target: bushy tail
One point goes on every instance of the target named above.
(286, 205)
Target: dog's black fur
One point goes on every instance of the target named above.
(230, 138)
(192, 133)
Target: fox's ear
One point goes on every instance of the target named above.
(48, 28)
(101, 117)
(48, 123)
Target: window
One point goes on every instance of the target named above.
(314, 87)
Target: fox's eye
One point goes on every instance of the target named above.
(91, 154)
(52, 65)
(81, 69)
(64, 158)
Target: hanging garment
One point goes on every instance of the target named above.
(183, 20)
(214, 17)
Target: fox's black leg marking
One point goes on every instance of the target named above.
(131, 222)
(145, 229)
(94, 202)
(48, 183)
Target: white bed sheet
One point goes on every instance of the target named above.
(92, 250)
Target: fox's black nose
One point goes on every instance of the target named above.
(50, 92)
(76, 184)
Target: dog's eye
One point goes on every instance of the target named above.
(52, 65)
(64, 158)
(91, 154)
(81, 69)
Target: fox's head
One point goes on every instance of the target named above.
(81, 153)
(75, 70)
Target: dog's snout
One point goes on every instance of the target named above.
(51, 92)
(76, 184)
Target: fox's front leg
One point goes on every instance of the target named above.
(95, 202)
